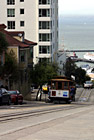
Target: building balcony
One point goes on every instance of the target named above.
(48, 43)
(45, 6)
(44, 55)
(45, 18)
(45, 31)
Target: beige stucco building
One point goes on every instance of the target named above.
(21, 50)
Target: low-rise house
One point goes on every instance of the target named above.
(22, 48)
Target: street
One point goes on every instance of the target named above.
(44, 121)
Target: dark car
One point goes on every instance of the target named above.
(4, 97)
(16, 97)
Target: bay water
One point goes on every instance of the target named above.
(76, 32)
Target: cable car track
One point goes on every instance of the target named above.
(85, 95)
(25, 114)
(82, 100)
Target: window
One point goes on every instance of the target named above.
(53, 86)
(1, 60)
(21, 11)
(44, 12)
(59, 85)
(53, 22)
(10, 12)
(10, 2)
(65, 85)
(22, 56)
(45, 37)
(44, 49)
(31, 52)
(45, 25)
(53, 34)
(44, 60)
(53, 10)
(53, 45)
(21, 0)
(44, 1)
(22, 23)
(11, 24)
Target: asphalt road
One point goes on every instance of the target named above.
(71, 122)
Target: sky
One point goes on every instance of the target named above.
(76, 7)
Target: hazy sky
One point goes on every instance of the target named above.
(79, 7)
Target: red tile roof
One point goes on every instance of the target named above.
(29, 42)
(2, 26)
(14, 42)
(16, 33)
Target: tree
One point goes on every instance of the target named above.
(43, 72)
(80, 76)
(3, 48)
(11, 68)
(71, 68)
(3, 43)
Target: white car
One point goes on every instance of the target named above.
(88, 84)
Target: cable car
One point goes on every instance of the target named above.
(61, 90)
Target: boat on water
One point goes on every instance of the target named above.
(85, 67)
(89, 56)
(74, 56)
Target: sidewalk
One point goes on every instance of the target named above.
(32, 96)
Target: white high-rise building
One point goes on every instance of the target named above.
(38, 19)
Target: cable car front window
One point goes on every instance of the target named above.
(53, 85)
(59, 85)
(65, 85)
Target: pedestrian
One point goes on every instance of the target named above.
(72, 93)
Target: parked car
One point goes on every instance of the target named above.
(16, 97)
(5, 98)
(88, 84)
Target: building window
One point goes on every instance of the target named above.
(11, 24)
(45, 25)
(44, 12)
(44, 1)
(21, 0)
(1, 59)
(45, 37)
(10, 2)
(22, 56)
(31, 52)
(53, 45)
(53, 34)
(53, 22)
(44, 49)
(45, 60)
(53, 11)
(10, 12)
(21, 11)
(22, 23)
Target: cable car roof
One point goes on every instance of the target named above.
(61, 80)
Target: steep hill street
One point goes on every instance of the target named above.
(44, 121)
